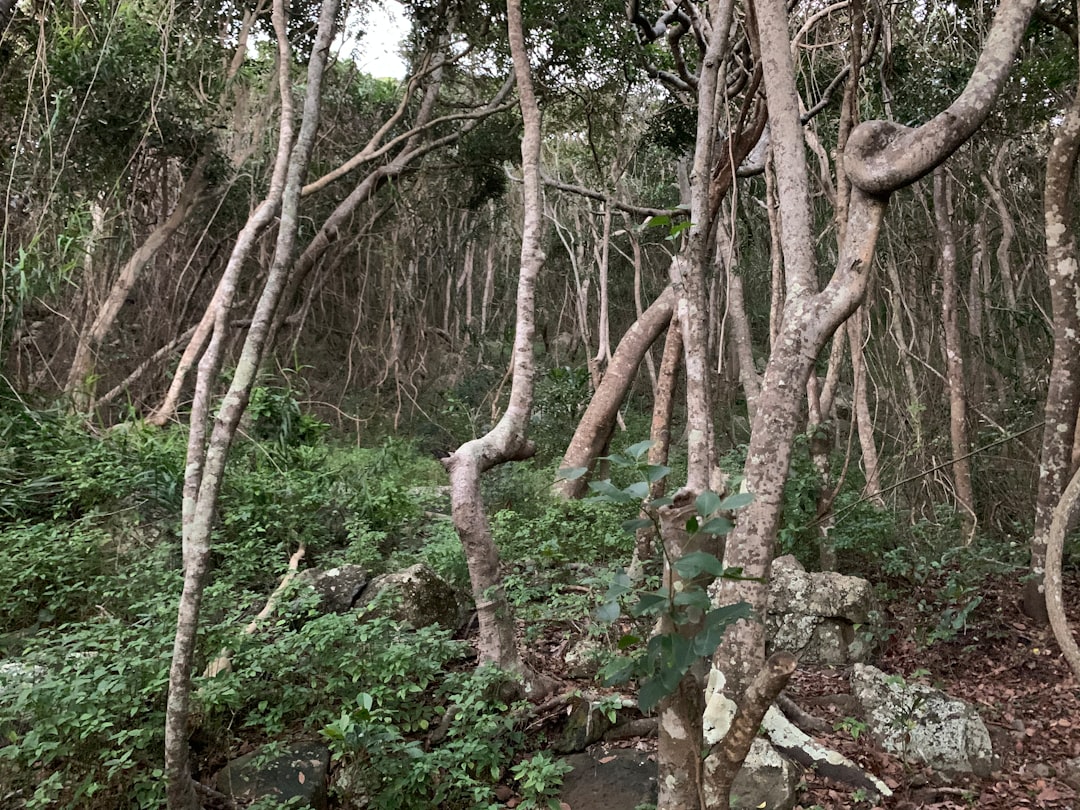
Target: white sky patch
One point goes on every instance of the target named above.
(376, 52)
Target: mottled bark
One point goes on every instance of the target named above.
(205, 465)
(1063, 392)
(1055, 605)
(598, 421)
(954, 353)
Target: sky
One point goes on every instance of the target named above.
(376, 52)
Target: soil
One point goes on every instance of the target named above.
(1008, 667)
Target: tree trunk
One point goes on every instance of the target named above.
(879, 158)
(598, 421)
(79, 381)
(954, 354)
(205, 464)
(506, 441)
(863, 420)
(1063, 393)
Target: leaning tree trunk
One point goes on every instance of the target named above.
(205, 464)
(507, 440)
(80, 374)
(1063, 394)
(880, 157)
(598, 421)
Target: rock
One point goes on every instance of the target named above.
(338, 589)
(583, 657)
(14, 673)
(621, 778)
(1069, 771)
(296, 773)
(922, 724)
(590, 720)
(610, 778)
(815, 615)
(420, 597)
(766, 780)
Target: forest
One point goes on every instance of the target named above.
(651, 404)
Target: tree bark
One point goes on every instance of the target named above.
(597, 423)
(205, 465)
(954, 354)
(507, 440)
(879, 158)
(1063, 392)
(863, 420)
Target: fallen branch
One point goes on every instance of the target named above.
(223, 663)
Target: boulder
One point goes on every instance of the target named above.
(766, 780)
(814, 615)
(583, 658)
(419, 597)
(922, 724)
(608, 778)
(338, 589)
(296, 773)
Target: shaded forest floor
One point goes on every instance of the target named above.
(1002, 662)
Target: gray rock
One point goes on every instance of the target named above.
(608, 778)
(338, 589)
(419, 597)
(14, 673)
(815, 615)
(298, 772)
(583, 658)
(922, 724)
(766, 780)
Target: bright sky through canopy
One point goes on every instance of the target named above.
(377, 51)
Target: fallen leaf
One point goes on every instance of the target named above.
(300, 777)
(606, 760)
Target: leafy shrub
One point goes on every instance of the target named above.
(476, 735)
(564, 532)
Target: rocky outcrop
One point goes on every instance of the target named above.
(815, 616)
(922, 724)
(418, 596)
(338, 589)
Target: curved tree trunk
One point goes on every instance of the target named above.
(1063, 394)
(880, 157)
(205, 465)
(598, 421)
(506, 441)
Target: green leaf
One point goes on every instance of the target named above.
(635, 524)
(636, 451)
(650, 603)
(654, 472)
(627, 641)
(639, 489)
(692, 525)
(696, 597)
(656, 503)
(650, 693)
(697, 562)
(618, 670)
(570, 473)
(707, 640)
(718, 525)
(658, 221)
(608, 612)
(605, 489)
(737, 501)
(706, 503)
(723, 616)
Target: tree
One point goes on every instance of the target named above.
(205, 463)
